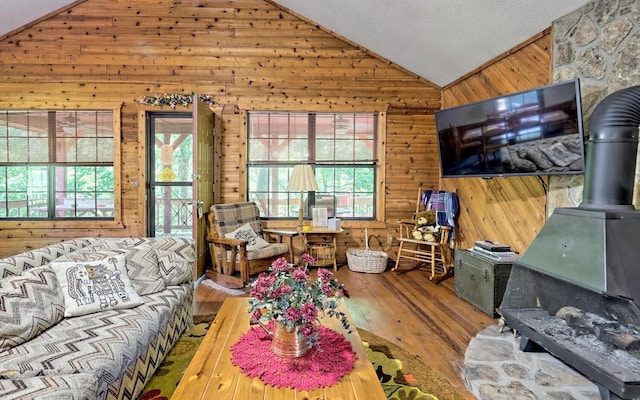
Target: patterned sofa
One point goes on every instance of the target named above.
(92, 318)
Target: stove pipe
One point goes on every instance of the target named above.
(594, 245)
(611, 152)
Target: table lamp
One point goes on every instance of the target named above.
(303, 180)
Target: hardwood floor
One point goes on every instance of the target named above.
(424, 318)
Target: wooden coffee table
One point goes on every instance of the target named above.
(211, 375)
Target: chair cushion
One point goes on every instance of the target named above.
(273, 249)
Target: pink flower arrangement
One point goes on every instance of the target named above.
(286, 294)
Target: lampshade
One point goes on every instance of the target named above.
(302, 179)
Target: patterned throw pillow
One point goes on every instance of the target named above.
(141, 262)
(29, 304)
(92, 286)
(183, 247)
(143, 269)
(175, 269)
(245, 232)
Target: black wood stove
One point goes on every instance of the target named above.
(575, 292)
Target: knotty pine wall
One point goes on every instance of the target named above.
(508, 210)
(250, 55)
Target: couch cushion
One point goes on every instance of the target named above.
(15, 265)
(91, 286)
(29, 304)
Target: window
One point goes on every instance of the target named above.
(57, 164)
(341, 149)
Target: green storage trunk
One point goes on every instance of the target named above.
(480, 280)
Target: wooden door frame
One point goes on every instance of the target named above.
(141, 181)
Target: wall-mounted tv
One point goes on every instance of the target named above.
(534, 132)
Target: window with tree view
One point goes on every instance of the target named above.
(341, 148)
(57, 164)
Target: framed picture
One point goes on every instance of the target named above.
(319, 217)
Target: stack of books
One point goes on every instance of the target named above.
(494, 250)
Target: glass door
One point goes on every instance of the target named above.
(170, 174)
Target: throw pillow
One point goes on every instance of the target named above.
(29, 304)
(92, 286)
(245, 232)
(175, 269)
(185, 248)
(141, 262)
(143, 269)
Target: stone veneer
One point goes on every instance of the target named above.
(600, 44)
(496, 369)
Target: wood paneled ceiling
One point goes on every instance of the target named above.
(440, 40)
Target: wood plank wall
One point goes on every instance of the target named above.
(249, 54)
(508, 210)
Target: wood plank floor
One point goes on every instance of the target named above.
(424, 318)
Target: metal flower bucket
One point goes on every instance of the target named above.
(289, 343)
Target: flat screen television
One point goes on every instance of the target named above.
(534, 132)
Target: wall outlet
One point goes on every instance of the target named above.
(134, 183)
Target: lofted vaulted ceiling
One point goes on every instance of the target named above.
(440, 40)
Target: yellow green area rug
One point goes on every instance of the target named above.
(402, 376)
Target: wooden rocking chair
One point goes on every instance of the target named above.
(436, 255)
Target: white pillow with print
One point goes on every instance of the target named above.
(92, 286)
(245, 232)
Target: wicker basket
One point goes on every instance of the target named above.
(323, 253)
(367, 260)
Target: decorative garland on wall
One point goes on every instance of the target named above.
(175, 99)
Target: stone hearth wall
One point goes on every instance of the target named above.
(600, 44)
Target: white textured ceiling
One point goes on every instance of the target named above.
(440, 40)
(17, 13)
